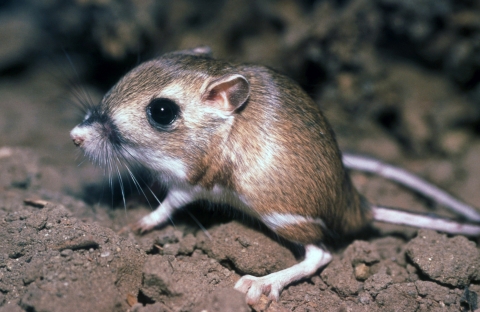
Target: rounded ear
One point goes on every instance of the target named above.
(227, 93)
(200, 51)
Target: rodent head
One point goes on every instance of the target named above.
(164, 113)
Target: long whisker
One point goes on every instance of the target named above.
(120, 179)
(109, 170)
(119, 175)
(84, 98)
(81, 163)
(146, 184)
(137, 184)
(200, 225)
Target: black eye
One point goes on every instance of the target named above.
(162, 112)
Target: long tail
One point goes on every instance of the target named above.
(392, 215)
(411, 181)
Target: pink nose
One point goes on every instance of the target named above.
(77, 141)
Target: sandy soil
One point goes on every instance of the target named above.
(398, 81)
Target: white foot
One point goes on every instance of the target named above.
(271, 285)
(147, 223)
(175, 199)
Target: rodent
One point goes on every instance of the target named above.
(244, 135)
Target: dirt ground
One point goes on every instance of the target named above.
(399, 80)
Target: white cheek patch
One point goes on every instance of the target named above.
(122, 118)
(127, 120)
(279, 220)
(173, 91)
(162, 164)
(128, 124)
(174, 167)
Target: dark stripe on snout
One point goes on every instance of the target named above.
(108, 128)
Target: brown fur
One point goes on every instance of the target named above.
(279, 152)
(306, 175)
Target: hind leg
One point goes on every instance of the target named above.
(272, 284)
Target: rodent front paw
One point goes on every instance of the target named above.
(141, 226)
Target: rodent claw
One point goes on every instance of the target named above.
(274, 294)
(254, 287)
(140, 228)
(245, 283)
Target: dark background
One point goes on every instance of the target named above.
(353, 57)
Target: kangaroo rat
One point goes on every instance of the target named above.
(249, 137)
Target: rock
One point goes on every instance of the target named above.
(156, 307)
(164, 280)
(223, 300)
(187, 244)
(240, 245)
(339, 275)
(170, 249)
(377, 282)
(454, 261)
(11, 307)
(47, 276)
(361, 252)
(362, 271)
(438, 293)
(266, 305)
(398, 297)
